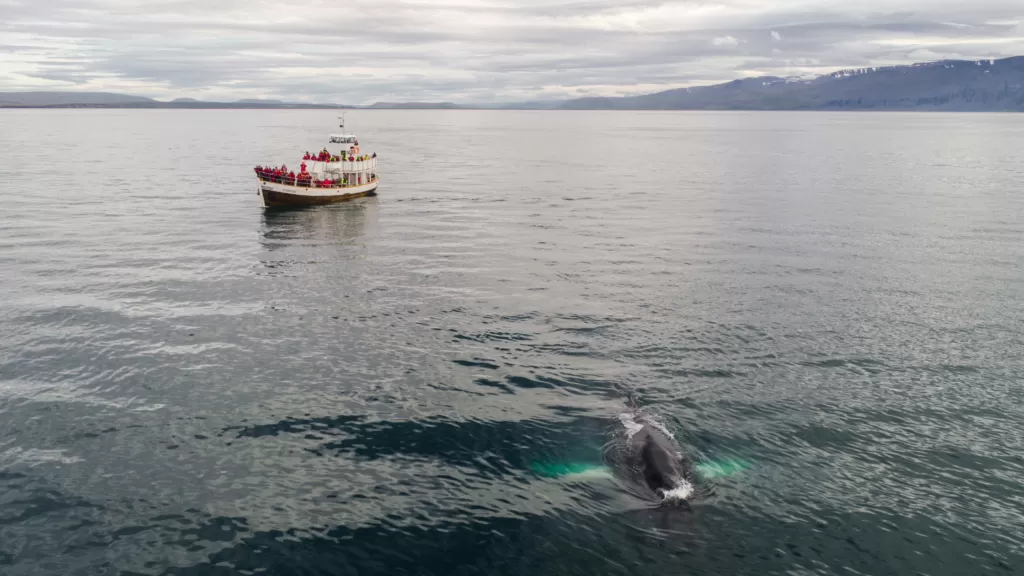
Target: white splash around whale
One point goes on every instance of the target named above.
(635, 421)
(630, 423)
(679, 493)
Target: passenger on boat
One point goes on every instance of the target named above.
(306, 157)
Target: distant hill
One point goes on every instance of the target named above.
(955, 85)
(69, 99)
(415, 105)
(239, 104)
(109, 100)
(529, 105)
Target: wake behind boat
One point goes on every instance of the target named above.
(323, 178)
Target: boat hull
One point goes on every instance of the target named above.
(273, 194)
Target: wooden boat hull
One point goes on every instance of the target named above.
(273, 194)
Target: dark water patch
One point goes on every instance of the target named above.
(583, 329)
(477, 363)
(700, 373)
(565, 349)
(843, 362)
(571, 543)
(21, 505)
(524, 382)
(517, 317)
(494, 384)
(504, 446)
(495, 337)
(446, 547)
(960, 369)
(86, 435)
(295, 426)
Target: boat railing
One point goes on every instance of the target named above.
(345, 165)
(313, 183)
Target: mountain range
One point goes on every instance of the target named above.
(985, 85)
(952, 85)
(108, 100)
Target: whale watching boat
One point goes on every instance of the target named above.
(327, 176)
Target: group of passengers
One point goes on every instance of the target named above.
(325, 156)
(284, 176)
(322, 156)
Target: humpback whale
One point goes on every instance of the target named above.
(650, 456)
(665, 471)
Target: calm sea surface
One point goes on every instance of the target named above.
(190, 385)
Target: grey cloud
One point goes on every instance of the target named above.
(473, 50)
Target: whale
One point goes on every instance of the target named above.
(665, 471)
(650, 458)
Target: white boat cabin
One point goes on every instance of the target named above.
(359, 171)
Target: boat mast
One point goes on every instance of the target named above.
(346, 178)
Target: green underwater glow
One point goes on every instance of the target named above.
(706, 470)
(562, 469)
(721, 468)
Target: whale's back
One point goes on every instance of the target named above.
(661, 463)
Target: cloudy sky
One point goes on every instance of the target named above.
(361, 51)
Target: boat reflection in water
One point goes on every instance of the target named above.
(315, 234)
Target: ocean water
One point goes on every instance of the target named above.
(190, 385)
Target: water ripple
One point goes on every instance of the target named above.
(192, 386)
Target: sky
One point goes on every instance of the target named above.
(473, 51)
